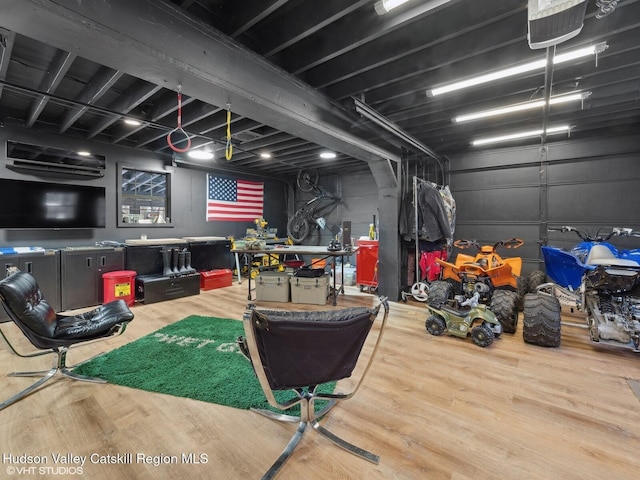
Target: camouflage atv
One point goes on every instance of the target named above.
(495, 279)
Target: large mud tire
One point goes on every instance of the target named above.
(439, 292)
(521, 291)
(504, 303)
(535, 278)
(541, 322)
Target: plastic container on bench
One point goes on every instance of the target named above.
(310, 290)
(216, 278)
(272, 287)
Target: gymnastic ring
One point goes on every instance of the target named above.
(178, 149)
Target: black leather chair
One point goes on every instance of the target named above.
(53, 333)
(298, 351)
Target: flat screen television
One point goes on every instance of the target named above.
(43, 205)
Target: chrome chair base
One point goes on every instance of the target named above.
(59, 368)
(307, 418)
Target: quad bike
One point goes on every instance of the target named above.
(462, 318)
(495, 279)
(594, 277)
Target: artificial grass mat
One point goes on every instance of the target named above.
(196, 357)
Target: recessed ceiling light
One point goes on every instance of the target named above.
(200, 155)
(327, 155)
(265, 155)
(84, 153)
(132, 121)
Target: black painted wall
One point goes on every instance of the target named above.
(519, 192)
(188, 196)
(501, 193)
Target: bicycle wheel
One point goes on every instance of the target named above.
(298, 228)
(307, 180)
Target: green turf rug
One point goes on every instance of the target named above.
(195, 358)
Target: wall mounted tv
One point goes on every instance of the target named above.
(26, 204)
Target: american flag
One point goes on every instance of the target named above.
(234, 200)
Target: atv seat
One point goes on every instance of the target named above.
(601, 255)
(460, 312)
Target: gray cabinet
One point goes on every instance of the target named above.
(81, 271)
(44, 266)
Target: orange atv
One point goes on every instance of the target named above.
(494, 278)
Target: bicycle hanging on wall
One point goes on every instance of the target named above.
(309, 215)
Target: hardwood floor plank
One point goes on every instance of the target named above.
(431, 407)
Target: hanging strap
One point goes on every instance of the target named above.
(179, 128)
(228, 151)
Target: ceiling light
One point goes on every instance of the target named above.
(385, 6)
(519, 135)
(132, 121)
(265, 155)
(518, 107)
(200, 155)
(512, 71)
(327, 155)
(84, 153)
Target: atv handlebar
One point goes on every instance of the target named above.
(587, 237)
(511, 243)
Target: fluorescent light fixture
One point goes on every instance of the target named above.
(519, 135)
(518, 107)
(84, 153)
(132, 121)
(328, 155)
(200, 155)
(385, 6)
(265, 155)
(517, 70)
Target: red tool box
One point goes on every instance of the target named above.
(215, 279)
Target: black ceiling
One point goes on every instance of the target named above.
(80, 68)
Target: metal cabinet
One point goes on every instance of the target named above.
(81, 271)
(44, 266)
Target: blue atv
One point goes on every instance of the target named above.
(594, 277)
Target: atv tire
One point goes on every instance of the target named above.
(541, 323)
(435, 325)
(439, 293)
(504, 303)
(535, 278)
(482, 336)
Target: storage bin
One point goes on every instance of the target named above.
(217, 278)
(119, 285)
(272, 287)
(349, 275)
(310, 290)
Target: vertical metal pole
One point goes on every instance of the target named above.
(415, 208)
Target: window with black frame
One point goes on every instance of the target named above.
(144, 197)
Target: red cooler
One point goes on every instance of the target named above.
(119, 284)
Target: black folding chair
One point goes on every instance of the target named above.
(298, 351)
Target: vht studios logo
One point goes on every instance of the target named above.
(195, 458)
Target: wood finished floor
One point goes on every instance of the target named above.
(431, 407)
